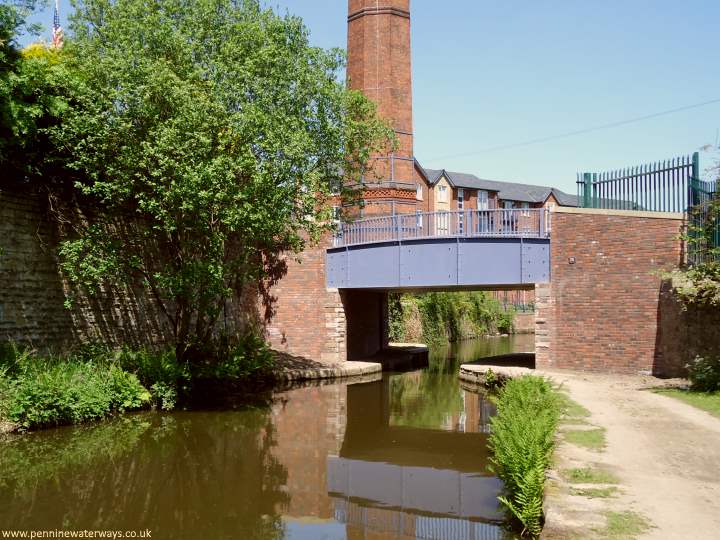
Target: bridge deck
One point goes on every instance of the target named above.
(475, 248)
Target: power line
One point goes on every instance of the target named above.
(579, 131)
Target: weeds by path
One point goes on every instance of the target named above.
(594, 439)
(595, 493)
(587, 475)
(707, 401)
(624, 525)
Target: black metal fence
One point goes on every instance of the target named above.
(664, 186)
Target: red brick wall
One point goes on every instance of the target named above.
(602, 312)
(309, 319)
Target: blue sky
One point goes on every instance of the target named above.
(497, 73)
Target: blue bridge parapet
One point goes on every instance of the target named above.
(458, 249)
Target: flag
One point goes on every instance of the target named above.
(57, 33)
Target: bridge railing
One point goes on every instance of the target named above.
(497, 223)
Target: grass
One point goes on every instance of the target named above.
(593, 439)
(707, 401)
(624, 525)
(573, 412)
(589, 476)
(595, 493)
(572, 409)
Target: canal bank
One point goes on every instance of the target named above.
(665, 456)
(629, 462)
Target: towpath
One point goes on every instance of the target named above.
(664, 453)
(660, 462)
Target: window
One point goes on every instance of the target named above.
(507, 205)
(482, 200)
(419, 192)
(525, 209)
(418, 219)
(442, 194)
(460, 206)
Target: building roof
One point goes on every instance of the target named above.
(509, 191)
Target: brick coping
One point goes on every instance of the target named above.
(335, 371)
(612, 212)
(475, 373)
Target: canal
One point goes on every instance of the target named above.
(398, 455)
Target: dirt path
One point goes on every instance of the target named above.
(664, 453)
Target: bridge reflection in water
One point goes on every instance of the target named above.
(403, 457)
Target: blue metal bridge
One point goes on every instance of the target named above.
(454, 249)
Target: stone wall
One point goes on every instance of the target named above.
(33, 292)
(544, 324)
(603, 312)
(309, 320)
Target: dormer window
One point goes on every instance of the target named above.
(442, 194)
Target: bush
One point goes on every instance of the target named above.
(159, 371)
(4, 393)
(94, 382)
(522, 441)
(248, 356)
(447, 316)
(40, 392)
(704, 374)
(52, 393)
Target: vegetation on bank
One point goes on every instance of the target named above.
(522, 441)
(704, 391)
(446, 316)
(185, 149)
(94, 382)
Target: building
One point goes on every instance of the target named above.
(461, 191)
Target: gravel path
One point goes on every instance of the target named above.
(665, 453)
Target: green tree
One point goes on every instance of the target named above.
(31, 99)
(699, 284)
(209, 134)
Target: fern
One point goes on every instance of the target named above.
(522, 442)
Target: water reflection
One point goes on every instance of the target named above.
(186, 475)
(401, 457)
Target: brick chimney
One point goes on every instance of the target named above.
(379, 65)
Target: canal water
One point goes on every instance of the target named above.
(398, 455)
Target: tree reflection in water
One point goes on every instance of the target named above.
(186, 475)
